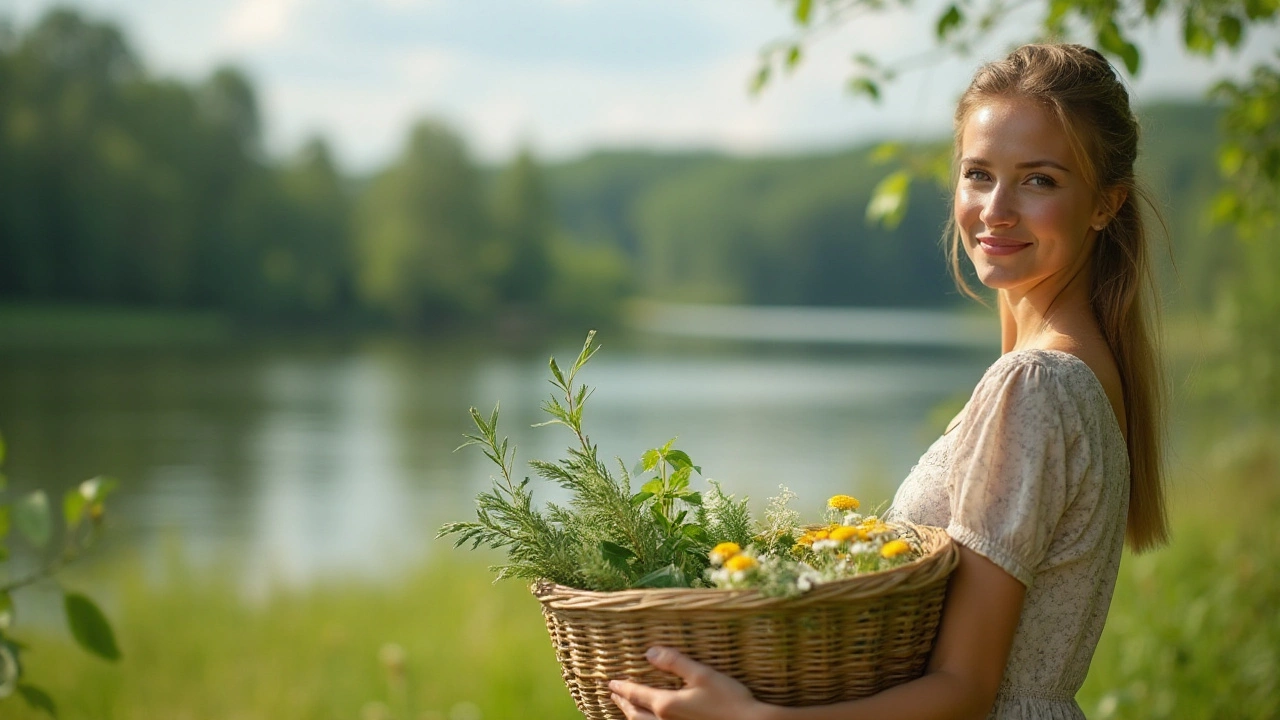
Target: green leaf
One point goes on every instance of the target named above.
(1194, 36)
(865, 86)
(653, 487)
(1151, 7)
(6, 611)
(664, 577)
(865, 61)
(697, 533)
(73, 505)
(1112, 41)
(90, 627)
(804, 8)
(10, 668)
(885, 152)
(638, 499)
(555, 371)
(760, 79)
(33, 519)
(1231, 158)
(680, 478)
(948, 22)
(1257, 9)
(693, 498)
(793, 57)
(679, 459)
(617, 556)
(649, 460)
(37, 699)
(889, 199)
(1230, 29)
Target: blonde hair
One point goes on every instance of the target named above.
(1081, 89)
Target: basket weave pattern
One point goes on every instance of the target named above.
(839, 641)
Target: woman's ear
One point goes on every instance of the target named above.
(1109, 205)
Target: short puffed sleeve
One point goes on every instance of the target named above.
(1009, 473)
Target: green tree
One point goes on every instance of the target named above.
(524, 221)
(1249, 156)
(316, 257)
(422, 228)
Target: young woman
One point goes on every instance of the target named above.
(1055, 459)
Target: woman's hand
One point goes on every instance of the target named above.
(706, 695)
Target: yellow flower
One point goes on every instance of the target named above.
(724, 551)
(740, 562)
(894, 548)
(846, 503)
(874, 525)
(845, 533)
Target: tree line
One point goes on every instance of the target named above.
(119, 187)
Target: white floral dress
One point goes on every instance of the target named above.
(1035, 477)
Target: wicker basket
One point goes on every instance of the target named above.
(839, 641)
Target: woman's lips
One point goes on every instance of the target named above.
(1001, 246)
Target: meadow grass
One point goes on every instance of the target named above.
(1194, 632)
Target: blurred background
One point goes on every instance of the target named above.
(259, 257)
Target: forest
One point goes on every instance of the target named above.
(122, 188)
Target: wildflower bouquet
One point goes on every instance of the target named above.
(664, 534)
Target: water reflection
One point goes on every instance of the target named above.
(296, 461)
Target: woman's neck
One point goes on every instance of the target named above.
(1047, 316)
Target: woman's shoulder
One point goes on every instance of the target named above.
(1049, 377)
(1043, 366)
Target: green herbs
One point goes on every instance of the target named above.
(664, 535)
(606, 537)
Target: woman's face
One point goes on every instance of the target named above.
(1025, 213)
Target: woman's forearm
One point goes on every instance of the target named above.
(936, 696)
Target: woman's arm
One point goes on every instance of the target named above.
(978, 622)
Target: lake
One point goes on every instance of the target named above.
(296, 460)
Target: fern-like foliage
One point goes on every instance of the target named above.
(606, 537)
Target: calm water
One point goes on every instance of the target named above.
(293, 461)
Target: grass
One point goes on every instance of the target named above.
(1194, 631)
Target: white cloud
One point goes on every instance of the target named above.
(258, 23)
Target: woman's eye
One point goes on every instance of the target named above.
(974, 174)
(1042, 181)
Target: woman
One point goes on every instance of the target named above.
(1055, 460)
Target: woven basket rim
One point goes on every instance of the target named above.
(941, 557)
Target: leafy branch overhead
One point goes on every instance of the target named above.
(606, 537)
(1248, 156)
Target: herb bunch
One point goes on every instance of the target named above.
(606, 537)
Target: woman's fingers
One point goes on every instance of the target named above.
(631, 711)
(635, 693)
(677, 663)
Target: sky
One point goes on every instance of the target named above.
(565, 77)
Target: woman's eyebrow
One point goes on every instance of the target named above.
(1021, 165)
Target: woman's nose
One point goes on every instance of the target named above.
(999, 208)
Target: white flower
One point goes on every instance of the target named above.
(808, 579)
(820, 545)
